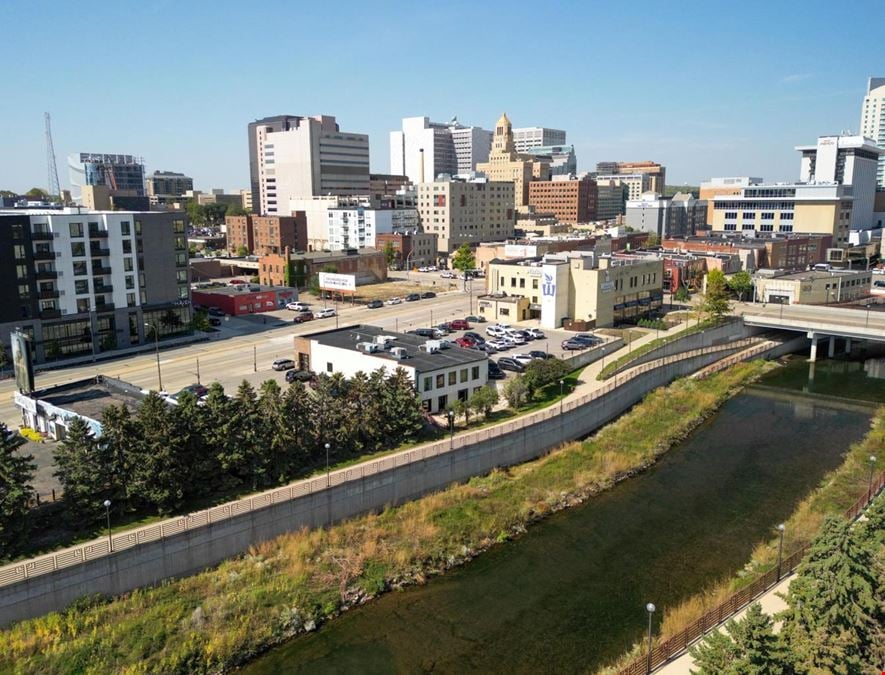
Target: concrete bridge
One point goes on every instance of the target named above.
(820, 323)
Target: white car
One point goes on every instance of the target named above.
(524, 359)
(447, 275)
(496, 330)
(514, 339)
(394, 301)
(535, 334)
(499, 345)
(296, 306)
(324, 313)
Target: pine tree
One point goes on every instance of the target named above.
(158, 479)
(246, 449)
(192, 454)
(830, 623)
(296, 407)
(83, 471)
(277, 437)
(118, 429)
(747, 647)
(217, 413)
(402, 407)
(16, 474)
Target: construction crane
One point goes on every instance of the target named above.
(52, 169)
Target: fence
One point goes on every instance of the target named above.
(102, 547)
(677, 644)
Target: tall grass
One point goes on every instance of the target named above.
(220, 618)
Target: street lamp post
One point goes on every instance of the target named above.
(254, 358)
(328, 475)
(561, 397)
(451, 416)
(107, 511)
(153, 327)
(872, 468)
(780, 549)
(650, 608)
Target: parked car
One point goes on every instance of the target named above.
(537, 354)
(197, 390)
(476, 337)
(374, 304)
(236, 282)
(445, 344)
(299, 376)
(506, 363)
(587, 337)
(571, 345)
(411, 297)
(524, 359)
(495, 373)
(214, 321)
(475, 319)
(214, 311)
(515, 338)
(427, 332)
(460, 324)
(426, 295)
(324, 313)
(283, 364)
(499, 345)
(296, 306)
(394, 301)
(535, 333)
(496, 330)
(304, 316)
(447, 275)
(443, 328)
(465, 342)
(485, 347)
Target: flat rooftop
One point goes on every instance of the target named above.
(347, 337)
(90, 398)
(240, 289)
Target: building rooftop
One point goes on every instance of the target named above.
(333, 255)
(348, 337)
(239, 289)
(90, 398)
(808, 275)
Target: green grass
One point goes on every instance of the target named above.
(219, 618)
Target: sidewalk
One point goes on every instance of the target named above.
(771, 605)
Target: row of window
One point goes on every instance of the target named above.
(454, 377)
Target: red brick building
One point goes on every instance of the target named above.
(244, 299)
(368, 265)
(571, 201)
(267, 234)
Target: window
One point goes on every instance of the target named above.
(127, 264)
(21, 271)
(730, 227)
(178, 226)
(766, 227)
(78, 249)
(130, 282)
(181, 276)
(522, 282)
(440, 381)
(535, 284)
(329, 368)
(137, 227)
(24, 291)
(182, 293)
(453, 378)
(124, 228)
(19, 251)
(127, 246)
(428, 383)
(768, 215)
(82, 305)
(130, 299)
(463, 375)
(80, 268)
(76, 229)
(475, 373)
(81, 286)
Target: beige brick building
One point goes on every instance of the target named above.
(505, 164)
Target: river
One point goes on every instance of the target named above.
(569, 595)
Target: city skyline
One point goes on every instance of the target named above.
(621, 83)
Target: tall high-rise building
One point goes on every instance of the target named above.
(526, 138)
(506, 164)
(163, 186)
(118, 173)
(266, 125)
(422, 150)
(872, 122)
(312, 157)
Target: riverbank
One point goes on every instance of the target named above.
(837, 491)
(220, 618)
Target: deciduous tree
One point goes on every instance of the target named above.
(484, 399)
(716, 297)
(740, 283)
(516, 392)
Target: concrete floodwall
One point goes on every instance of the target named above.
(188, 544)
(585, 358)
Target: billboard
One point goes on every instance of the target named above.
(337, 282)
(21, 362)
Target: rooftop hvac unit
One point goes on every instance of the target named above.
(431, 346)
(398, 353)
(368, 347)
(384, 340)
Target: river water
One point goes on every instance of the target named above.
(569, 596)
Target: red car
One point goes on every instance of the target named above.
(460, 324)
(464, 342)
(304, 316)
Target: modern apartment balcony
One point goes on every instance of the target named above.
(44, 255)
(105, 307)
(45, 275)
(96, 252)
(104, 288)
(41, 236)
(97, 234)
(48, 295)
(99, 270)
(50, 313)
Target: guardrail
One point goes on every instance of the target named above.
(680, 642)
(101, 547)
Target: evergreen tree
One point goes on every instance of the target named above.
(118, 429)
(16, 493)
(362, 430)
(296, 406)
(158, 479)
(84, 472)
(245, 450)
(192, 454)
(329, 416)
(830, 623)
(217, 413)
(747, 647)
(277, 435)
(403, 408)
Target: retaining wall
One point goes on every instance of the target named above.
(186, 545)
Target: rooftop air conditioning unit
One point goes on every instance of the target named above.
(431, 346)
(384, 340)
(398, 353)
(368, 347)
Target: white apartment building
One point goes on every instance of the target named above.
(356, 226)
(636, 183)
(422, 150)
(845, 160)
(313, 157)
(526, 138)
(440, 376)
(460, 212)
(872, 122)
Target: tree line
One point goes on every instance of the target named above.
(162, 458)
(835, 617)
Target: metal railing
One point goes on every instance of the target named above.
(676, 645)
(97, 548)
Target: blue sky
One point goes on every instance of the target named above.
(706, 88)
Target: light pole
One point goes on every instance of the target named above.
(603, 358)
(328, 475)
(780, 550)
(872, 468)
(561, 397)
(650, 608)
(451, 416)
(254, 358)
(107, 511)
(153, 327)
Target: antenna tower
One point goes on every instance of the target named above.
(52, 169)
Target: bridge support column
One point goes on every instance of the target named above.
(814, 339)
(831, 349)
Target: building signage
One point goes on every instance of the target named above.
(21, 362)
(520, 251)
(607, 286)
(548, 287)
(337, 282)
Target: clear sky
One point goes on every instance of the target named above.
(707, 88)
